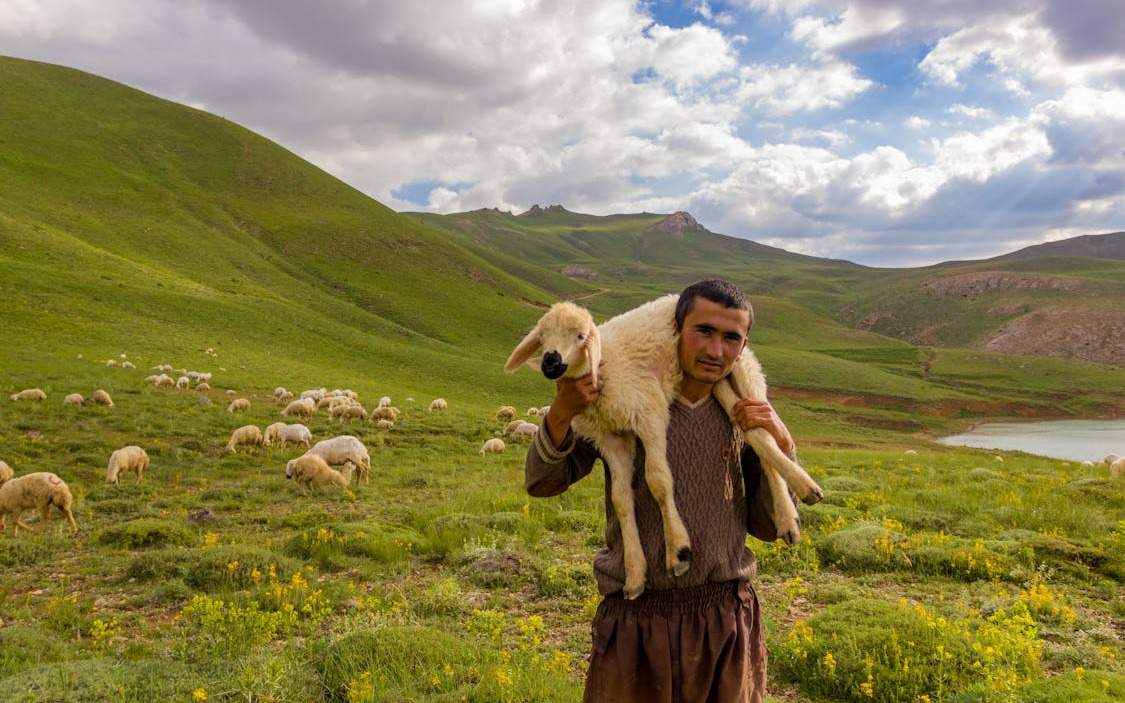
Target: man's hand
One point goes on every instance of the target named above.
(572, 395)
(759, 413)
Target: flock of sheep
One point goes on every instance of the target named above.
(315, 469)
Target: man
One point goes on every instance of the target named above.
(696, 637)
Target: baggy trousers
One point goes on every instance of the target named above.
(695, 645)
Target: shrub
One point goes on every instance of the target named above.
(147, 532)
(24, 552)
(869, 650)
(236, 566)
(159, 565)
(216, 628)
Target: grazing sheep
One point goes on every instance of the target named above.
(525, 430)
(344, 448)
(505, 412)
(305, 408)
(1109, 459)
(245, 435)
(279, 391)
(544, 410)
(511, 427)
(384, 424)
(296, 433)
(28, 394)
(111, 362)
(384, 401)
(349, 412)
(74, 399)
(270, 433)
(100, 397)
(164, 381)
(183, 383)
(238, 405)
(203, 387)
(532, 412)
(312, 471)
(438, 404)
(124, 460)
(127, 365)
(635, 355)
(38, 490)
(910, 452)
(387, 412)
(6, 472)
(492, 446)
(314, 394)
(284, 397)
(1117, 469)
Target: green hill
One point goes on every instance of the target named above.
(133, 224)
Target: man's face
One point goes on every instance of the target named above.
(711, 340)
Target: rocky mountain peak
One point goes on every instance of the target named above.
(678, 223)
(536, 210)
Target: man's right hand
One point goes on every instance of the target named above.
(572, 396)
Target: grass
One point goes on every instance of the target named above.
(133, 225)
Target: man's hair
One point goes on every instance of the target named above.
(716, 290)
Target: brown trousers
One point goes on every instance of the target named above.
(691, 645)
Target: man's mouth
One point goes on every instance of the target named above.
(711, 365)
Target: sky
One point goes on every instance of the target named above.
(885, 132)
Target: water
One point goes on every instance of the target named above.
(1074, 440)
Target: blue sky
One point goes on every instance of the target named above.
(887, 132)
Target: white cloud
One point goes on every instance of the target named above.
(783, 90)
(970, 111)
(832, 137)
(917, 122)
(856, 24)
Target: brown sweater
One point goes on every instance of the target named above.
(709, 494)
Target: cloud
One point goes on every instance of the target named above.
(782, 90)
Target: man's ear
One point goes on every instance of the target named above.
(594, 354)
(524, 350)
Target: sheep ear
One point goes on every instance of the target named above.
(524, 350)
(594, 354)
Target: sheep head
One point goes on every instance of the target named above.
(568, 338)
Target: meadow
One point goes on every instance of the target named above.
(947, 575)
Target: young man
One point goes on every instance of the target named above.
(696, 637)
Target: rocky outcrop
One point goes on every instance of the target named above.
(1091, 335)
(677, 223)
(536, 211)
(977, 282)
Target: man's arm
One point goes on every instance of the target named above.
(555, 460)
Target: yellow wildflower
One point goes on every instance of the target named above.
(199, 694)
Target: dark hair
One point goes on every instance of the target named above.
(716, 290)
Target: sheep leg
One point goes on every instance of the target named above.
(783, 513)
(618, 453)
(765, 446)
(70, 517)
(18, 524)
(658, 476)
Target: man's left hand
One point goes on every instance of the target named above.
(759, 413)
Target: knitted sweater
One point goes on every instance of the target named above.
(709, 490)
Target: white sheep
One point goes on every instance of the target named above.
(295, 433)
(305, 408)
(314, 394)
(38, 490)
(387, 412)
(284, 397)
(74, 399)
(384, 401)
(203, 387)
(1109, 459)
(492, 446)
(312, 471)
(6, 472)
(344, 448)
(100, 397)
(28, 394)
(1117, 469)
(910, 452)
(127, 365)
(532, 412)
(124, 460)
(505, 412)
(384, 424)
(544, 410)
(511, 427)
(524, 430)
(111, 362)
(183, 383)
(238, 405)
(248, 435)
(438, 404)
(348, 412)
(635, 354)
(164, 381)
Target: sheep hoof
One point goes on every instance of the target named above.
(791, 536)
(680, 563)
(633, 592)
(813, 496)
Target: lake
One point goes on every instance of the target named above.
(1074, 440)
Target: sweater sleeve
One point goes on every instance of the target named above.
(759, 498)
(549, 471)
